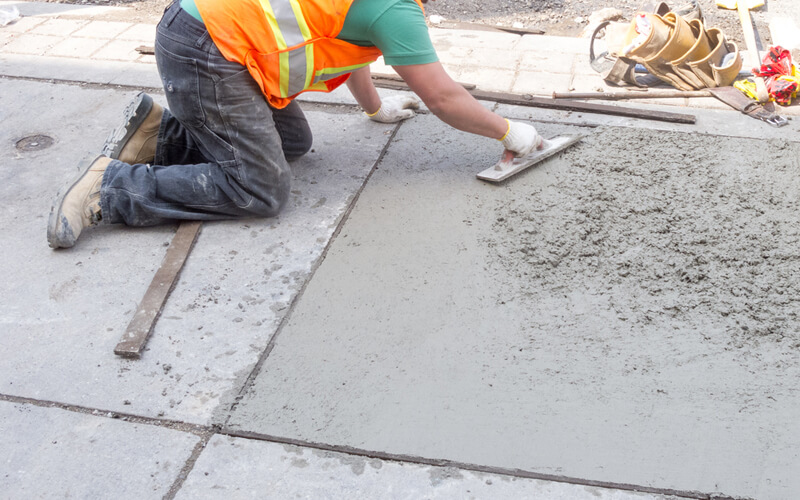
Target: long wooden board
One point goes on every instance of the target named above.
(585, 107)
(560, 104)
(141, 326)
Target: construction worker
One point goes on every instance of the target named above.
(230, 70)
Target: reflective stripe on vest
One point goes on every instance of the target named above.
(291, 32)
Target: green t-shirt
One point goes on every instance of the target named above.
(396, 27)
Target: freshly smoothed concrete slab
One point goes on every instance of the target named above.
(626, 315)
(234, 468)
(64, 311)
(54, 453)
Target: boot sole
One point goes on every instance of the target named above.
(57, 220)
(134, 116)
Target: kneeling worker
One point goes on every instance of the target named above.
(230, 70)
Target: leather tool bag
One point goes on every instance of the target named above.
(675, 48)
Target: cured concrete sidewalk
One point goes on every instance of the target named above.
(618, 323)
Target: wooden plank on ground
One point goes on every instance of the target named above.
(394, 82)
(141, 326)
(560, 104)
(583, 107)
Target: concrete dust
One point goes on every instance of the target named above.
(670, 229)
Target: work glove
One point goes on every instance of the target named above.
(395, 108)
(521, 139)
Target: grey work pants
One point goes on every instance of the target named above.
(222, 149)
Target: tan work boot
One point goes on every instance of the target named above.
(135, 140)
(77, 206)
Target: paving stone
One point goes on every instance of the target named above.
(24, 24)
(583, 83)
(490, 59)
(232, 293)
(137, 74)
(380, 67)
(103, 29)
(77, 47)
(582, 66)
(44, 10)
(532, 44)
(119, 50)
(497, 80)
(83, 70)
(54, 453)
(445, 38)
(238, 468)
(58, 27)
(31, 44)
(454, 55)
(548, 63)
(539, 83)
(140, 33)
(6, 37)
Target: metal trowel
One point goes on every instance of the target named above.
(508, 165)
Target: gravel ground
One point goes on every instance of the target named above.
(554, 17)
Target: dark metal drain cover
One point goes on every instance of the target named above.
(35, 142)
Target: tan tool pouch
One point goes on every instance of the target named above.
(613, 69)
(681, 40)
(726, 75)
(710, 69)
(698, 51)
(675, 49)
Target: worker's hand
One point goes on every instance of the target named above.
(521, 139)
(395, 108)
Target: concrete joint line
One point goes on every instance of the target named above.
(572, 69)
(114, 415)
(189, 465)
(248, 383)
(517, 65)
(85, 85)
(501, 471)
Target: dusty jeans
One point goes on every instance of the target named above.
(222, 149)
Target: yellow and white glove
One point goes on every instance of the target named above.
(395, 108)
(521, 139)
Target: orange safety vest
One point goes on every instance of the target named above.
(288, 46)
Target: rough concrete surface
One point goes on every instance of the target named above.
(53, 453)
(624, 313)
(64, 311)
(234, 468)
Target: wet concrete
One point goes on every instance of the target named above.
(621, 314)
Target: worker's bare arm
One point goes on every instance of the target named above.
(361, 86)
(447, 100)
(450, 101)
